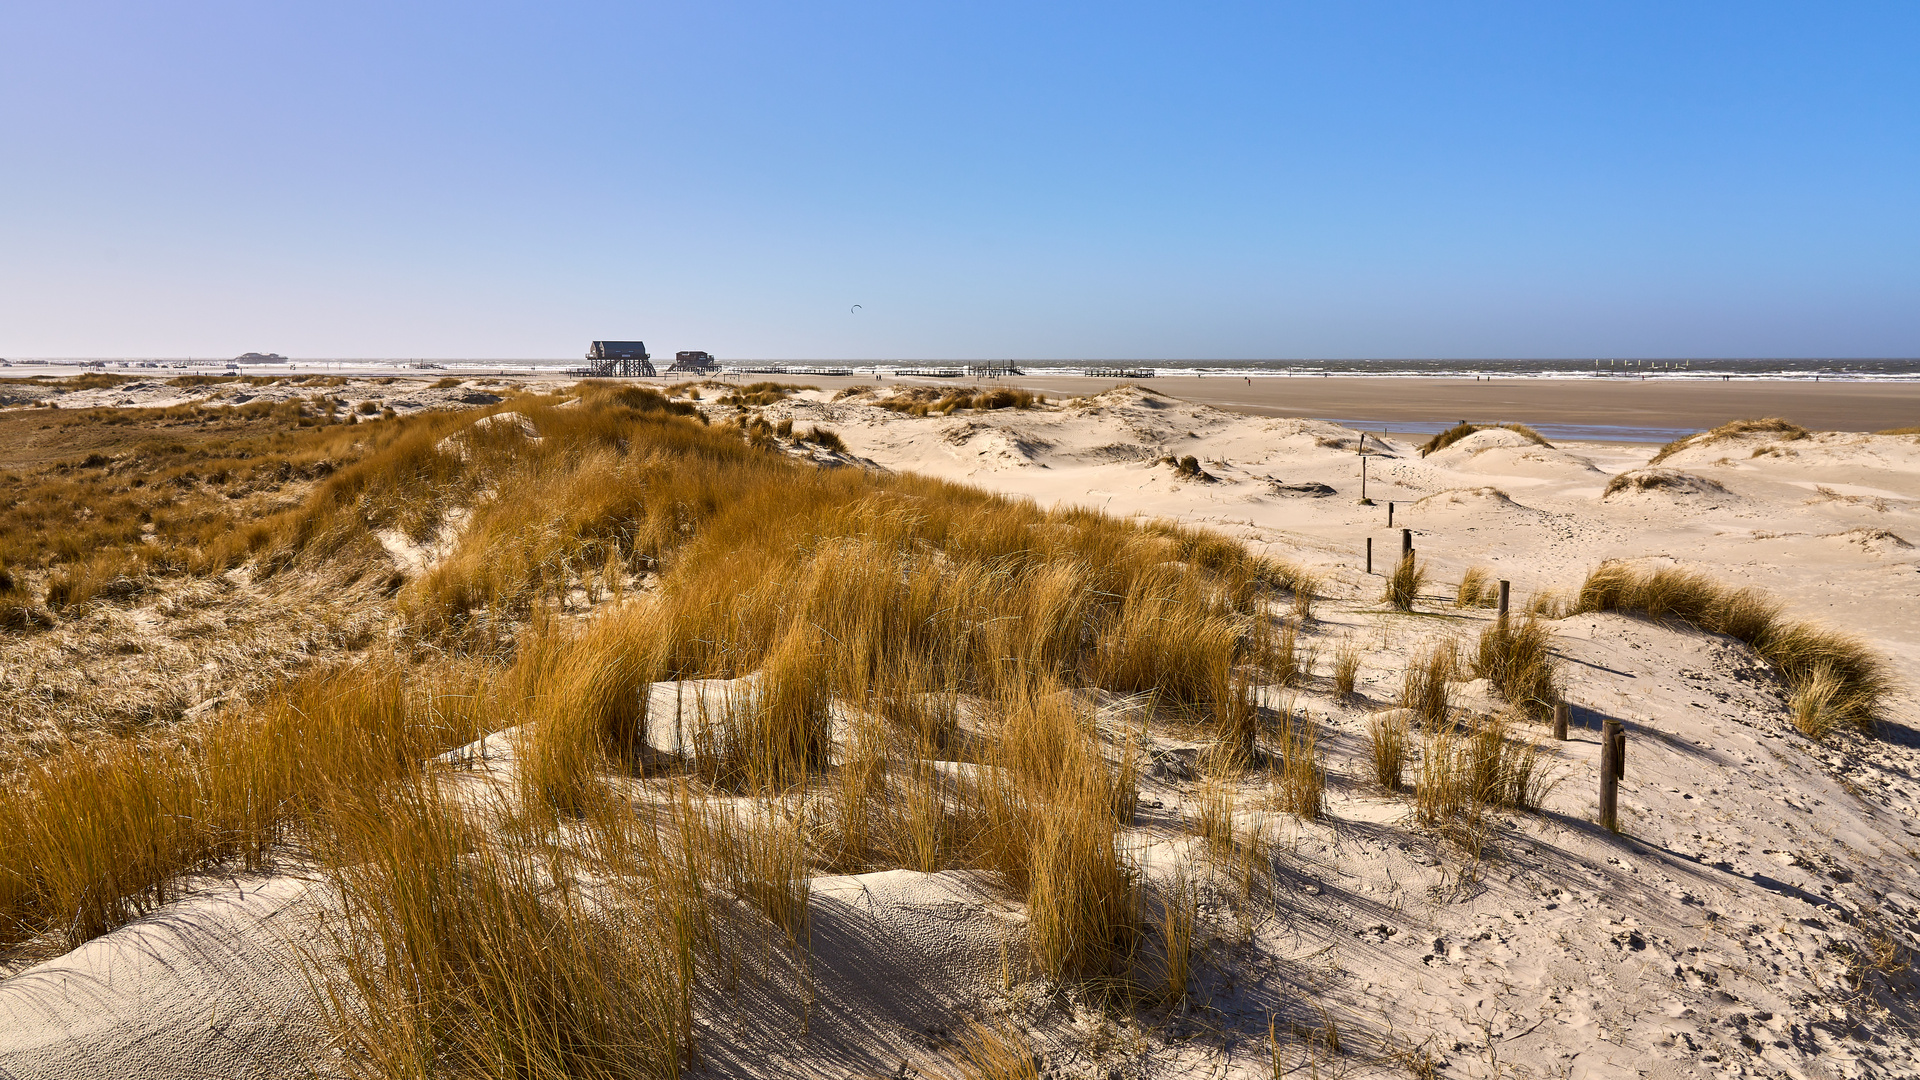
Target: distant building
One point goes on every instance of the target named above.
(259, 358)
(619, 359)
(693, 363)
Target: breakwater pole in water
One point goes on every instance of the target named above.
(1613, 766)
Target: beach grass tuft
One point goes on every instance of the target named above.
(1816, 662)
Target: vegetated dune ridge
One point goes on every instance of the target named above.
(1756, 911)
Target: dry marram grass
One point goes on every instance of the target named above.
(705, 553)
(1833, 677)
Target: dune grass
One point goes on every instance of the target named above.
(1478, 589)
(878, 599)
(1787, 430)
(1515, 657)
(1817, 663)
(1404, 583)
(1346, 666)
(1426, 686)
(1387, 748)
(92, 839)
(1460, 431)
(1463, 773)
(937, 401)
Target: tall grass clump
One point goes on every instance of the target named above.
(1404, 583)
(93, 838)
(463, 951)
(1387, 748)
(1462, 774)
(1346, 666)
(1299, 776)
(1515, 656)
(1819, 663)
(1426, 686)
(1477, 589)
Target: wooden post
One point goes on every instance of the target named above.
(1389, 513)
(1363, 477)
(1505, 591)
(1369, 554)
(1562, 712)
(1612, 740)
(1406, 542)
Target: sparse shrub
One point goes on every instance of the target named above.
(997, 1054)
(761, 393)
(931, 401)
(462, 953)
(784, 429)
(1179, 915)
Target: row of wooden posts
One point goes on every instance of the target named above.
(1613, 736)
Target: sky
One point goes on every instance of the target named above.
(986, 180)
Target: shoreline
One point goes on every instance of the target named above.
(1651, 406)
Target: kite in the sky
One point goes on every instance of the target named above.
(853, 309)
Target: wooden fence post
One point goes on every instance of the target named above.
(1505, 589)
(1562, 712)
(1369, 554)
(1612, 742)
(1389, 513)
(1406, 542)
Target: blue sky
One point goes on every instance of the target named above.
(987, 180)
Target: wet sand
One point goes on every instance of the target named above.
(1653, 403)
(1664, 406)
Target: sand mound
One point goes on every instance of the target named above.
(1670, 483)
(1877, 541)
(1473, 498)
(1751, 436)
(208, 986)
